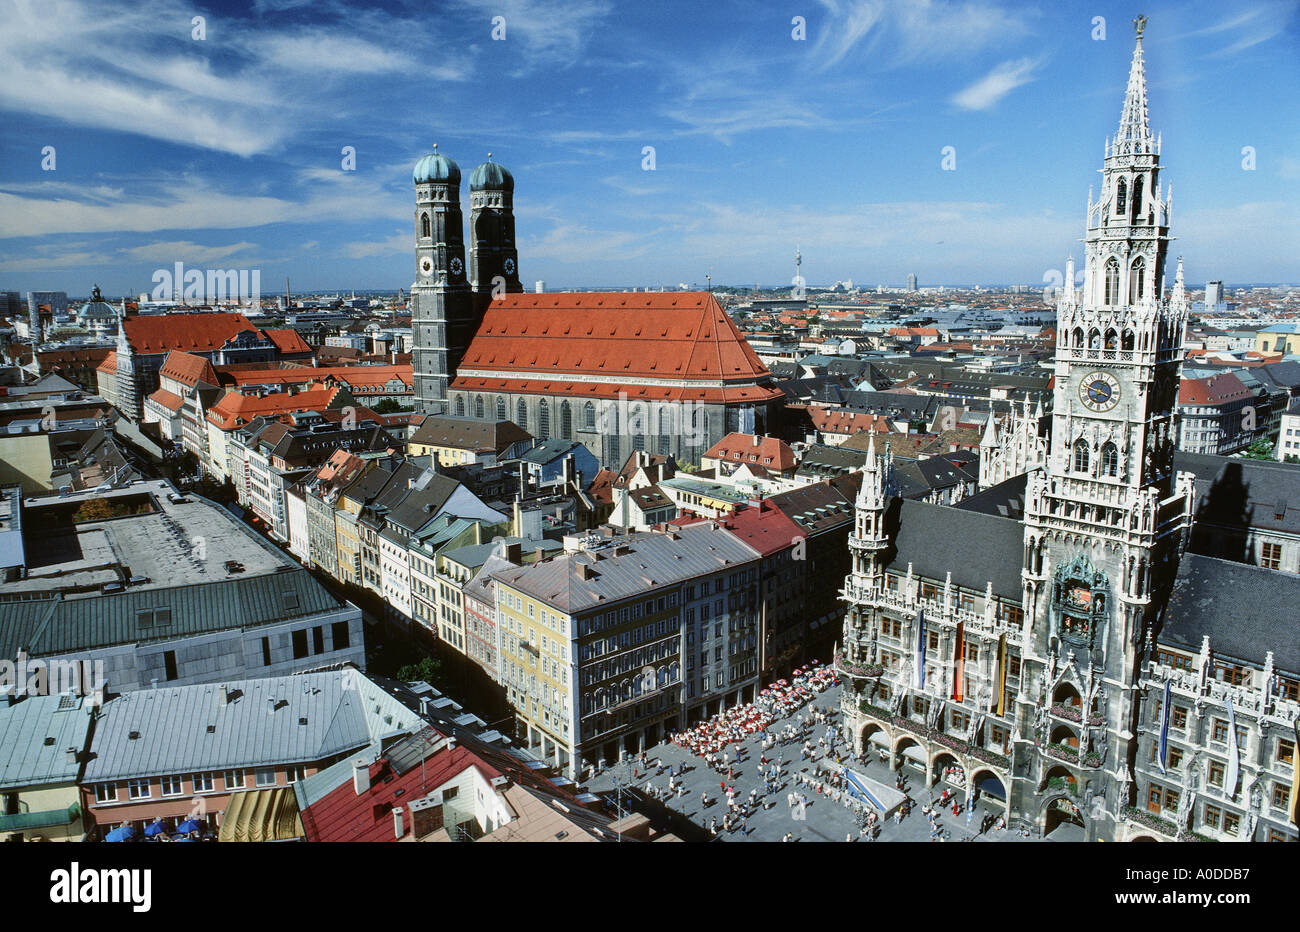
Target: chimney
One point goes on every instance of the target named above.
(361, 777)
(537, 554)
(398, 828)
(72, 755)
(270, 705)
(756, 440)
(426, 816)
(514, 553)
(424, 706)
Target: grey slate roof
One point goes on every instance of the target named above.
(977, 548)
(1005, 500)
(58, 626)
(651, 561)
(1237, 493)
(26, 759)
(262, 726)
(548, 451)
(1246, 611)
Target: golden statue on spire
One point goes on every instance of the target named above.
(1140, 24)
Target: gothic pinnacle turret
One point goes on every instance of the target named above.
(1134, 134)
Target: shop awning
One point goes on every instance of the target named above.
(262, 815)
(879, 738)
(46, 818)
(912, 752)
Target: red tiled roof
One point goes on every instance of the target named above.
(631, 390)
(1215, 390)
(288, 341)
(109, 364)
(623, 337)
(761, 525)
(838, 421)
(188, 369)
(233, 409)
(190, 332)
(169, 400)
(770, 452)
(351, 375)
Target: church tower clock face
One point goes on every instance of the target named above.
(426, 265)
(1099, 392)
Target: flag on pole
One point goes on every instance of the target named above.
(1002, 675)
(919, 679)
(1164, 730)
(959, 673)
(1295, 774)
(1234, 754)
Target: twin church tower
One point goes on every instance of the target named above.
(447, 300)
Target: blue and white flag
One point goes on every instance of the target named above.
(920, 650)
(1164, 730)
(1234, 754)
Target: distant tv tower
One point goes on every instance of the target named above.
(798, 278)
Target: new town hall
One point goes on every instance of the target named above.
(1054, 641)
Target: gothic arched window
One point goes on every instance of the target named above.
(1126, 341)
(1078, 337)
(1109, 460)
(424, 225)
(1080, 455)
(1121, 191)
(460, 406)
(1112, 281)
(543, 420)
(501, 408)
(1137, 199)
(1112, 340)
(1136, 273)
(521, 414)
(1094, 339)
(589, 416)
(478, 407)
(566, 421)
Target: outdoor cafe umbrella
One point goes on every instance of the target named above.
(121, 833)
(189, 825)
(156, 827)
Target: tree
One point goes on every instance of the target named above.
(1261, 449)
(388, 406)
(427, 669)
(95, 509)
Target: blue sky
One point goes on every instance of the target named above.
(225, 152)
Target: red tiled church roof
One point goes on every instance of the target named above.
(186, 332)
(532, 341)
(289, 342)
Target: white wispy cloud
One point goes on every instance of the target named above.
(541, 31)
(397, 244)
(995, 85)
(889, 33)
(184, 251)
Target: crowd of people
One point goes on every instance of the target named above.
(712, 738)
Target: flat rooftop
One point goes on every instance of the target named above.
(167, 543)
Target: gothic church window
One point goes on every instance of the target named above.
(460, 406)
(566, 421)
(1137, 199)
(543, 420)
(1081, 455)
(501, 409)
(589, 416)
(1121, 193)
(521, 414)
(424, 225)
(1112, 280)
(478, 407)
(1109, 460)
(1135, 280)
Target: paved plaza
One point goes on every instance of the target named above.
(820, 818)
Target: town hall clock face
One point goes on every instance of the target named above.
(1099, 391)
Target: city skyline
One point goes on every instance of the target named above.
(242, 133)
